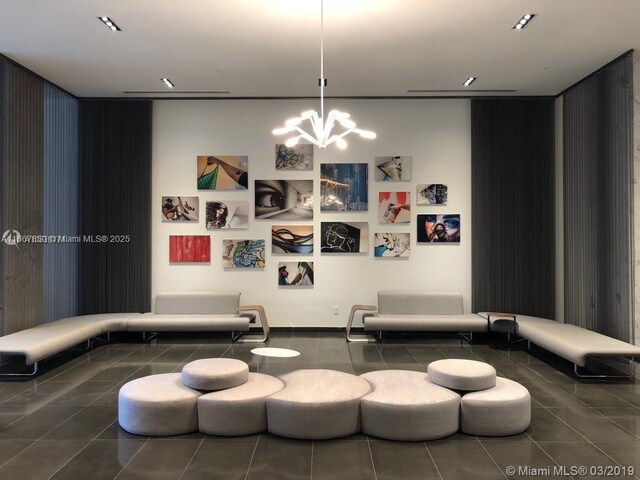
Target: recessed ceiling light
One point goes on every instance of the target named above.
(167, 82)
(110, 24)
(524, 21)
(469, 81)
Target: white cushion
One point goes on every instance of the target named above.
(461, 374)
(215, 373)
(405, 405)
(317, 404)
(419, 303)
(152, 322)
(197, 302)
(502, 410)
(429, 323)
(158, 405)
(240, 410)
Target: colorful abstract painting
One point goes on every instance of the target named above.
(344, 187)
(296, 239)
(394, 207)
(222, 172)
(341, 237)
(227, 214)
(298, 157)
(243, 253)
(393, 169)
(180, 209)
(284, 199)
(189, 249)
(431, 194)
(295, 274)
(439, 228)
(391, 244)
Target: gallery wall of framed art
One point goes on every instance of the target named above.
(304, 230)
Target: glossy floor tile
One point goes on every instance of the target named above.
(63, 424)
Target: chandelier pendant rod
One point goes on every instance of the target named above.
(322, 80)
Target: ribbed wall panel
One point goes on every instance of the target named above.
(513, 263)
(3, 190)
(598, 161)
(115, 151)
(61, 203)
(23, 179)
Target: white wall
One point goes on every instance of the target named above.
(436, 133)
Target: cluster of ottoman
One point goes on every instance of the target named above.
(221, 397)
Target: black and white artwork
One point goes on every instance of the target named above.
(342, 237)
(180, 209)
(298, 157)
(431, 194)
(227, 214)
(284, 199)
(391, 244)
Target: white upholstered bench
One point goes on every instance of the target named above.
(573, 343)
(408, 311)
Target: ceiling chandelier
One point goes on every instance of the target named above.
(322, 131)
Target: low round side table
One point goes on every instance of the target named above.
(503, 323)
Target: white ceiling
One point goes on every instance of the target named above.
(266, 48)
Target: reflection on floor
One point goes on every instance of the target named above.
(62, 425)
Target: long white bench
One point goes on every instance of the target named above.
(176, 312)
(571, 342)
(415, 312)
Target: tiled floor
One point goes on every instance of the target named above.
(62, 425)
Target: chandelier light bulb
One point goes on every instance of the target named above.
(292, 122)
(365, 133)
(341, 143)
(292, 141)
(346, 123)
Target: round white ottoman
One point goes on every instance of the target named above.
(240, 410)
(406, 406)
(158, 405)
(502, 410)
(215, 373)
(317, 404)
(460, 374)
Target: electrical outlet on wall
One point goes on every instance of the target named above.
(336, 310)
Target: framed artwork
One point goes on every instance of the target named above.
(222, 172)
(344, 187)
(431, 194)
(180, 209)
(227, 214)
(296, 239)
(391, 245)
(295, 274)
(243, 253)
(393, 169)
(394, 207)
(298, 157)
(189, 249)
(439, 228)
(341, 237)
(284, 199)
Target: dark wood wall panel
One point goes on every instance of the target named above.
(598, 162)
(513, 239)
(115, 151)
(22, 188)
(3, 190)
(61, 204)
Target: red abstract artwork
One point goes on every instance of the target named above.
(189, 249)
